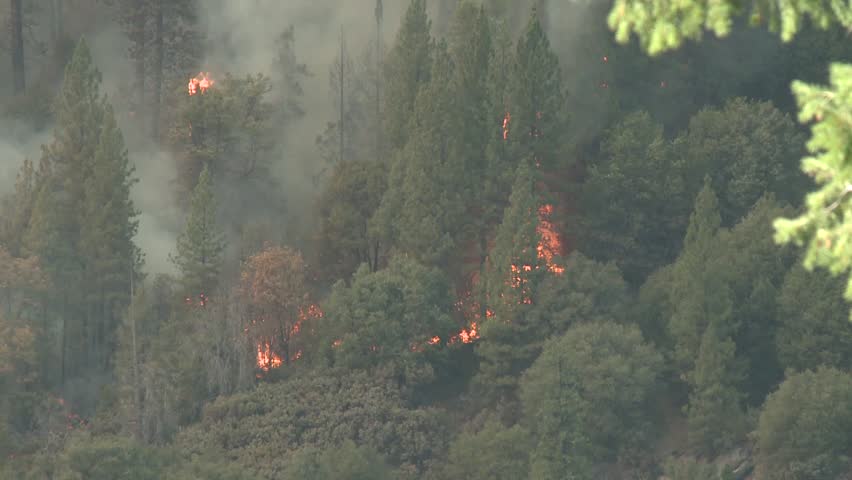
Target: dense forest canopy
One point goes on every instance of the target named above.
(431, 240)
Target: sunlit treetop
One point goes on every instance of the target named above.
(663, 25)
(825, 228)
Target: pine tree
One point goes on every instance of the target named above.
(407, 69)
(472, 52)
(55, 227)
(699, 292)
(107, 233)
(536, 100)
(705, 219)
(200, 247)
(17, 209)
(425, 210)
(714, 414)
(514, 272)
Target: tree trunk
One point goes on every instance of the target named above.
(158, 70)
(17, 26)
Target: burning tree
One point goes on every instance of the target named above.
(273, 284)
(514, 271)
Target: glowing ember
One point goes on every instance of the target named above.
(202, 300)
(605, 59)
(550, 245)
(434, 340)
(199, 83)
(506, 120)
(337, 343)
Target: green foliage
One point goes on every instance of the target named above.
(665, 26)
(105, 458)
(344, 462)
(714, 414)
(633, 199)
(258, 429)
(690, 469)
(407, 69)
(805, 428)
(588, 292)
(423, 208)
(509, 342)
(492, 453)
(352, 196)
(17, 209)
(587, 398)
(814, 327)
(201, 245)
(822, 227)
(536, 101)
(386, 319)
(748, 149)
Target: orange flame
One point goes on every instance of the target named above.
(506, 120)
(550, 244)
(199, 83)
(267, 358)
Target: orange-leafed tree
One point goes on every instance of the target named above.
(274, 288)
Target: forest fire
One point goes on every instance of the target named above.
(506, 120)
(268, 358)
(550, 245)
(199, 84)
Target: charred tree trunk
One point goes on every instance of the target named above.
(17, 28)
(159, 53)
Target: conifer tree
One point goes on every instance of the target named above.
(17, 209)
(55, 227)
(407, 69)
(514, 271)
(424, 209)
(536, 99)
(714, 414)
(107, 233)
(200, 247)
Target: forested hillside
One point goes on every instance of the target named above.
(425, 240)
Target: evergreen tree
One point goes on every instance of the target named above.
(514, 272)
(714, 414)
(407, 69)
(17, 209)
(107, 233)
(814, 322)
(200, 247)
(425, 210)
(55, 227)
(537, 124)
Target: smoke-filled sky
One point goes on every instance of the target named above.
(241, 39)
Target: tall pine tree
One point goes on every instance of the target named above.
(107, 233)
(407, 69)
(536, 100)
(514, 271)
(200, 247)
(55, 227)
